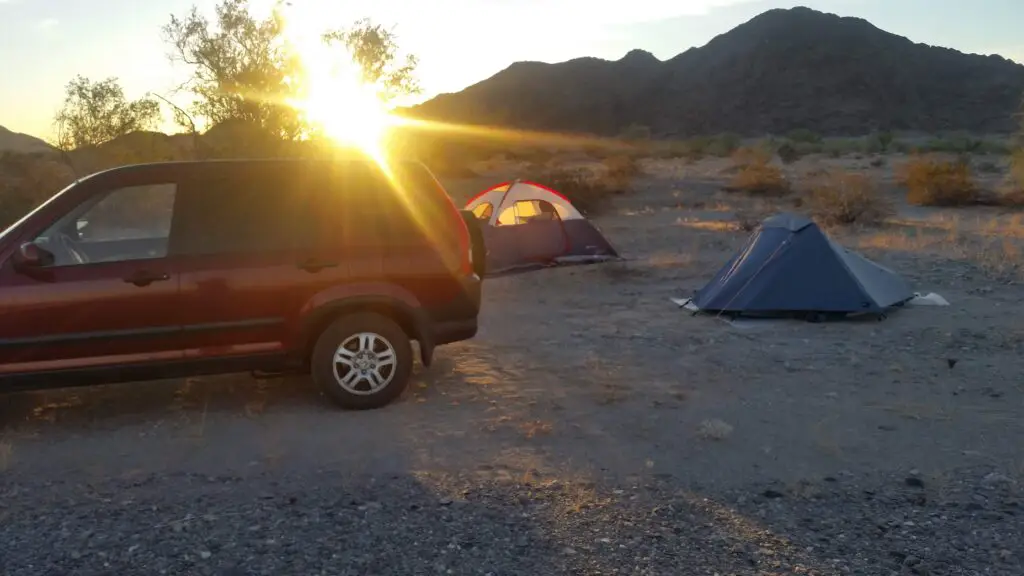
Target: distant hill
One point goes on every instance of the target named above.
(21, 143)
(782, 70)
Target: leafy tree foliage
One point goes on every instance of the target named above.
(245, 72)
(94, 113)
(375, 50)
(240, 67)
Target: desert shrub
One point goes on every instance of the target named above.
(621, 169)
(878, 142)
(995, 147)
(27, 180)
(635, 132)
(840, 197)
(788, 153)
(697, 147)
(755, 174)
(938, 182)
(589, 192)
(724, 144)
(836, 147)
(1017, 169)
(987, 167)
(803, 135)
(960, 143)
(1013, 193)
(531, 154)
(748, 221)
(672, 149)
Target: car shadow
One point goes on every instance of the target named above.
(188, 399)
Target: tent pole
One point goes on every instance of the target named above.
(501, 204)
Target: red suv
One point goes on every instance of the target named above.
(185, 268)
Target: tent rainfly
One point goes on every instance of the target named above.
(789, 267)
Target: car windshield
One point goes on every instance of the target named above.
(36, 209)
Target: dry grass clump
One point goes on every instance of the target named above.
(840, 197)
(755, 174)
(933, 181)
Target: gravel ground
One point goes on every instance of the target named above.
(590, 428)
(328, 522)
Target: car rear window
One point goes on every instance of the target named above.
(398, 207)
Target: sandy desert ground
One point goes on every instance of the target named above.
(591, 428)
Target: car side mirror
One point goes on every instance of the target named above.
(32, 255)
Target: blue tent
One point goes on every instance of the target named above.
(790, 267)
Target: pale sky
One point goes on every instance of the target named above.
(45, 43)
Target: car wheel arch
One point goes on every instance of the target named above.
(413, 322)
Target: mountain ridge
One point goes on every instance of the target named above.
(17, 142)
(781, 70)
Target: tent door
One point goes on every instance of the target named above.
(542, 240)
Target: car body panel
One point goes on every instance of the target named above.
(214, 313)
(67, 317)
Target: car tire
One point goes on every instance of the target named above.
(351, 378)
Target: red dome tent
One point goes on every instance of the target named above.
(527, 225)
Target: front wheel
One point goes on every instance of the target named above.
(362, 361)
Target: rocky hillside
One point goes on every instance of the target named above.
(783, 70)
(21, 143)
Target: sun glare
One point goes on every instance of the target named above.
(335, 99)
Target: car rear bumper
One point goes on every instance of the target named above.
(457, 320)
(455, 331)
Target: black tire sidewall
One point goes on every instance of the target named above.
(322, 360)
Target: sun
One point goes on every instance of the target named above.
(335, 100)
(345, 109)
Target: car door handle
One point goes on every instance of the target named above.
(146, 277)
(316, 264)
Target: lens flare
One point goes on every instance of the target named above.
(334, 99)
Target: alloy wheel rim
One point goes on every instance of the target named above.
(365, 363)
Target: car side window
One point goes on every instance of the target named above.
(244, 213)
(128, 223)
(363, 207)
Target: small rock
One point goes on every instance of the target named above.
(772, 494)
(913, 482)
(204, 554)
